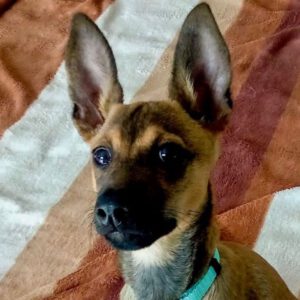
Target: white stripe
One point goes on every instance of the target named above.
(279, 239)
(39, 158)
(42, 154)
(138, 32)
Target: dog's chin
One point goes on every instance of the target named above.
(130, 241)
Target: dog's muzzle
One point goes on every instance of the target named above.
(129, 219)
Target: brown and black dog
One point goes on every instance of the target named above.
(153, 162)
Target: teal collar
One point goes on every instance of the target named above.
(200, 288)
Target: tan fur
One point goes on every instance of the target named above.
(148, 137)
(244, 270)
(201, 140)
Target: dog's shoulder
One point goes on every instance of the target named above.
(246, 272)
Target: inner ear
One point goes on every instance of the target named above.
(201, 70)
(92, 75)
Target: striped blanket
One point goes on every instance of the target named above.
(48, 249)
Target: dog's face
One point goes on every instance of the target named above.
(152, 160)
(152, 164)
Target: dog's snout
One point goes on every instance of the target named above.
(131, 217)
(111, 214)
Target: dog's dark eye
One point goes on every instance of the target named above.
(173, 160)
(170, 153)
(102, 156)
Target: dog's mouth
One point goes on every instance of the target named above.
(131, 238)
(129, 241)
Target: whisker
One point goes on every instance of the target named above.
(180, 217)
(185, 212)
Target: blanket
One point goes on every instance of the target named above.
(48, 247)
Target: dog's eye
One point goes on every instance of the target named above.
(173, 159)
(102, 156)
(170, 153)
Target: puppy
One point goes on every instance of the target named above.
(153, 162)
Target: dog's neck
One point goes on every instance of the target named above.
(173, 263)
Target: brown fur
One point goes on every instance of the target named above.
(193, 117)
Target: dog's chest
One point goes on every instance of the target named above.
(157, 283)
(128, 294)
(161, 282)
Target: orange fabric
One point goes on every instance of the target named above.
(258, 106)
(257, 21)
(280, 167)
(33, 37)
(243, 223)
(98, 277)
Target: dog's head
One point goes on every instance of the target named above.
(152, 159)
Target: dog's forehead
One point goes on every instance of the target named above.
(134, 128)
(147, 119)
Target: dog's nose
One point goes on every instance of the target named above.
(117, 206)
(111, 214)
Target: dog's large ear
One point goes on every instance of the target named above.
(201, 70)
(92, 75)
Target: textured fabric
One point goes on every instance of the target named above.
(33, 36)
(48, 249)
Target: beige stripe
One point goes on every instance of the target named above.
(156, 87)
(58, 247)
(279, 239)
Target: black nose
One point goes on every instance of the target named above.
(110, 208)
(111, 214)
(124, 207)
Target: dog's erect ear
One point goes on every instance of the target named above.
(201, 71)
(92, 75)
